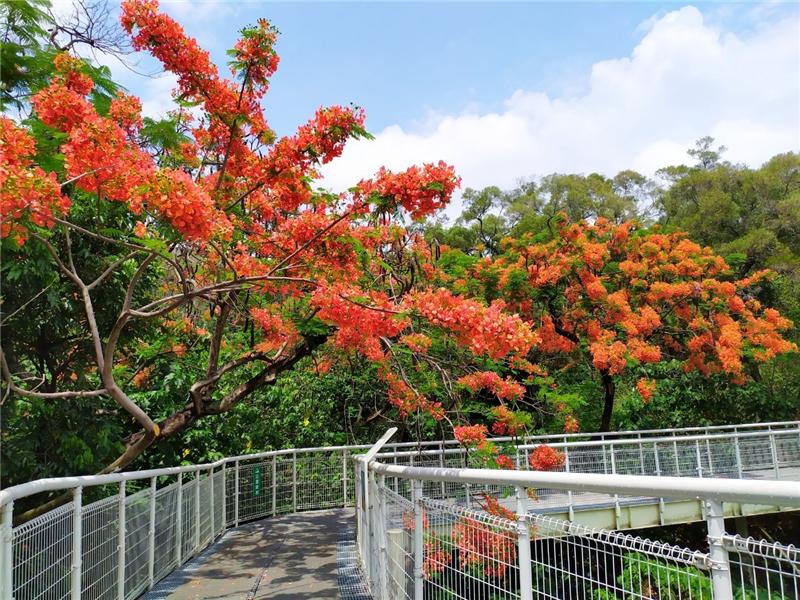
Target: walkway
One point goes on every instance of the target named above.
(283, 558)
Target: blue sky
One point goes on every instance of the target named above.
(401, 61)
(515, 90)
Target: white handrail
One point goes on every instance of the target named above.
(767, 492)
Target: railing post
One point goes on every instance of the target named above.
(524, 548)
(720, 562)
(77, 542)
(224, 497)
(151, 534)
(773, 446)
(359, 511)
(441, 464)
(641, 453)
(658, 474)
(569, 492)
(274, 484)
(383, 563)
(699, 458)
(179, 522)
(294, 482)
(121, 544)
(710, 458)
(211, 500)
(368, 501)
(738, 450)
(197, 510)
(677, 458)
(7, 552)
(236, 494)
(344, 478)
(419, 547)
(617, 510)
(370, 528)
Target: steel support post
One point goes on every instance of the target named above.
(371, 530)
(274, 485)
(441, 464)
(721, 586)
(121, 544)
(77, 542)
(359, 512)
(524, 548)
(7, 553)
(738, 450)
(569, 492)
(617, 510)
(383, 562)
(344, 478)
(151, 534)
(236, 494)
(419, 547)
(179, 523)
(773, 446)
(224, 496)
(710, 458)
(294, 482)
(197, 510)
(699, 458)
(211, 490)
(658, 474)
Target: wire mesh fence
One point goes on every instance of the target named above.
(122, 544)
(762, 570)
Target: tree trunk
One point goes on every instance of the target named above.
(136, 444)
(608, 401)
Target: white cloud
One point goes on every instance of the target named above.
(686, 78)
(156, 94)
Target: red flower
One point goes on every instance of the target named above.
(545, 458)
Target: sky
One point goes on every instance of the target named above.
(511, 91)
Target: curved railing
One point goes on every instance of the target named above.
(120, 533)
(421, 537)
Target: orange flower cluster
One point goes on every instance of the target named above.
(409, 401)
(492, 506)
(418, 342)
(436, 557)
(545, 458)
(668, 299)
(470, 435)
(276, 331)
(507, 422)
(486, 547)
(571, 424)
(360, 325)
(485, 330)
(419, 190)
(505, 389)
(646, 389)
(27, 193)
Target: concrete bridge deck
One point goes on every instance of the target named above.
(283, 558)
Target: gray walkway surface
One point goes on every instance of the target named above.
(282, 558)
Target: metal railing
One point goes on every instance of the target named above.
(121, 533)
(426, 547)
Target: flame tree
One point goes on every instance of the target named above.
(214, 250)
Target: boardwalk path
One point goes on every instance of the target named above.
(283, 558)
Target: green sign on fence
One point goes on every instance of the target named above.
(257, 481)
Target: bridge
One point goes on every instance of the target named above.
(405, 520)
